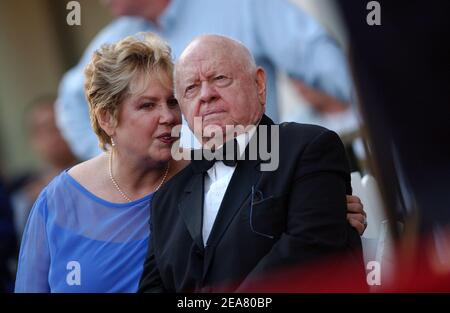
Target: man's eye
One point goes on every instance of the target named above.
(222, 80)
(190, 89)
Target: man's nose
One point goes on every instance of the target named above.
(208, 93)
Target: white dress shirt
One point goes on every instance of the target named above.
(216, 183)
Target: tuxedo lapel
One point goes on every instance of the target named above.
(191, 208)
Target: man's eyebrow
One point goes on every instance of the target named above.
(191, 80)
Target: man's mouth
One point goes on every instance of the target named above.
(211, 114)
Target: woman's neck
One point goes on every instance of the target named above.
(136, 177)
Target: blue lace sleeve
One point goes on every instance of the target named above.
(34, 257)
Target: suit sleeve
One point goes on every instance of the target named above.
(151, 281)
(316, 224)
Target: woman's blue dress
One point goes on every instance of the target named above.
(76, 242)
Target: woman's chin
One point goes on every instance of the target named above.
(162, 155)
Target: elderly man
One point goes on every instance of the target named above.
(217, 226)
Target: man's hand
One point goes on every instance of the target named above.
(355, 214)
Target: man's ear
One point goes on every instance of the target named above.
(261, 84)
(106, 121)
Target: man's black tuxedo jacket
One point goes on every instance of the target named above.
(298, 215)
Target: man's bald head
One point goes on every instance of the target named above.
(217, 80)
(218, 44)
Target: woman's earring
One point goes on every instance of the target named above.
(112, 142)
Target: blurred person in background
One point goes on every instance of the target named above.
(281, 36)
(8, 243)
(52, 151)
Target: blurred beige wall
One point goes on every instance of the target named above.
(35, 45)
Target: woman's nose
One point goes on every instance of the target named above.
(168, 115)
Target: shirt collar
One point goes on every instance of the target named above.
(242, 140)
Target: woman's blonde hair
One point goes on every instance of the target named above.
(113, 69)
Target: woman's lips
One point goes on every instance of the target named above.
(167, 138)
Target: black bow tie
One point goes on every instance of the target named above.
(228, 154)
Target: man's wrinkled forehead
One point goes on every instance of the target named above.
(203, 64)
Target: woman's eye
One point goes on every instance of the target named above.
(147, 105)
(220, 77)
(172, 103)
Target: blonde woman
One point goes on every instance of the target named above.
(88, 230)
